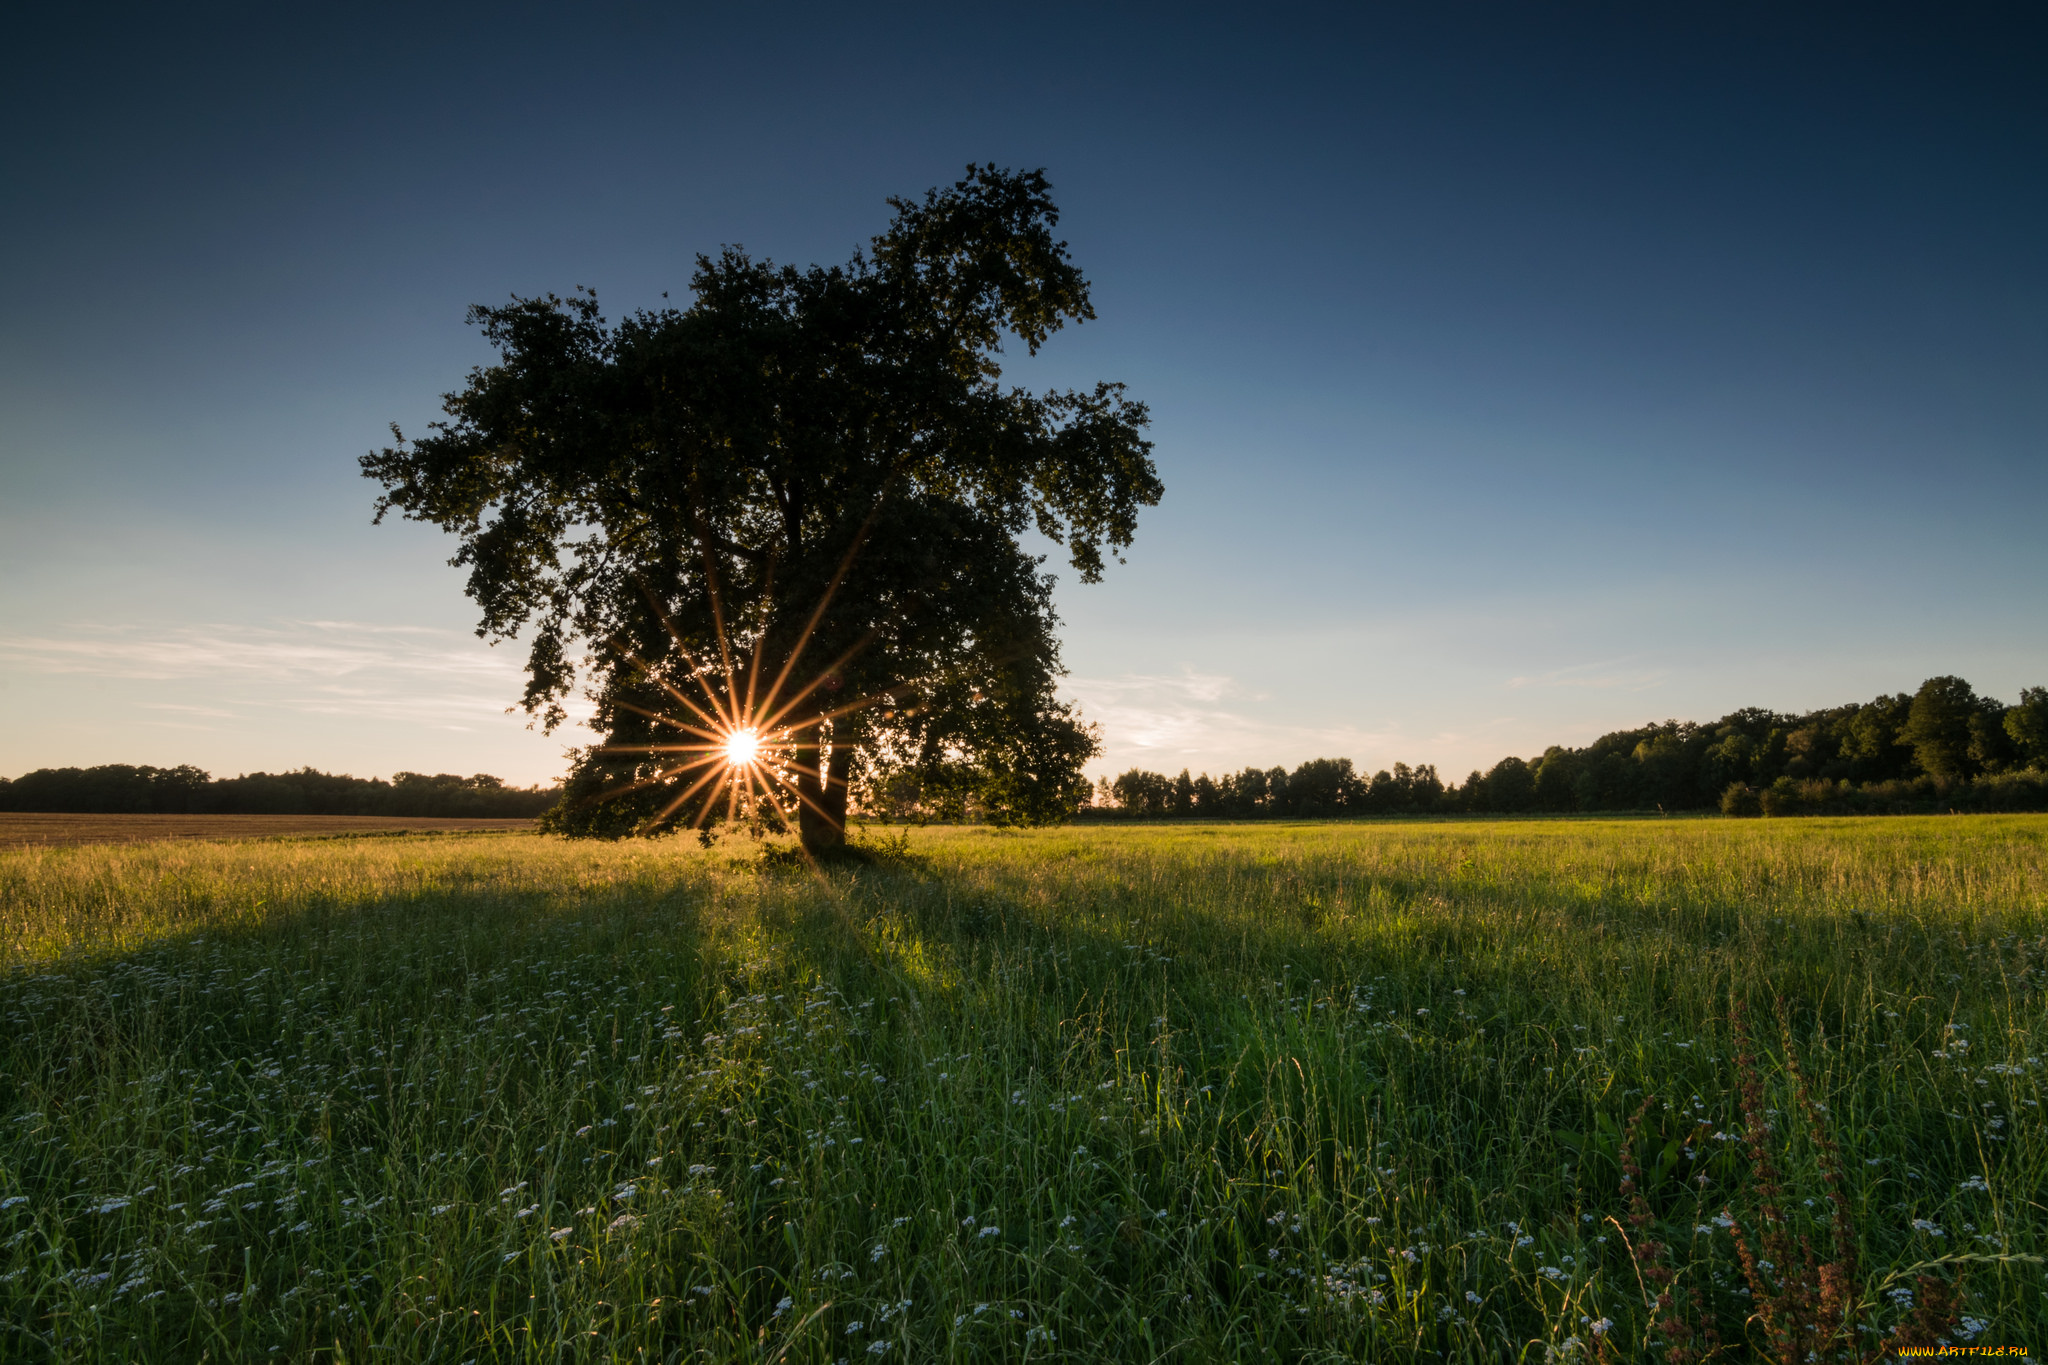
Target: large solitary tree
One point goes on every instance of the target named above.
(789, 516)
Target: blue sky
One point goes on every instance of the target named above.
(1516, 376)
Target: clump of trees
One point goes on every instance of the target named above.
(1319, 788)
(126, 789)
(1943, 747)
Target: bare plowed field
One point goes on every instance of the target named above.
(21, 829)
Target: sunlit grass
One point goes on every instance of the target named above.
(1194, 1092)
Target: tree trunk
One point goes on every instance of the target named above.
(822, 831)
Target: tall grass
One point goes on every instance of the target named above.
(1197, 1093)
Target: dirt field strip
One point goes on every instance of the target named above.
(18, 830)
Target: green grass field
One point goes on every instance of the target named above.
(1192, 1093)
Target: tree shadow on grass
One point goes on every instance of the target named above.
(375, 969)
(305, 1032)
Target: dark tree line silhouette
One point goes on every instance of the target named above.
(124, 789)
(1943, 747)
(1321, 787)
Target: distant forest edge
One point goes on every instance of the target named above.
(121, 789)
(1939, 749)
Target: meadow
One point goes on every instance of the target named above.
(20, 829)
(1390, 1091)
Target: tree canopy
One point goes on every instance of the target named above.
(794, 508)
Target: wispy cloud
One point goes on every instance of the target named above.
(1606, 675)
(1203, 719)
(314, 668)
(291, 651)
(213, 712)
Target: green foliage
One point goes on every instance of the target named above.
(601, 799)
(2026, 725)
(122, 789)
(1991, 747)
(1319, 788)
(1557, 780)
(1191, 1093)
(1143, 793)
(115, 789)
(1031, 774)
(1896, 753)
(1944, 748)
(1741, 799)
(1510, 786)
(814, 472)
(1938, 727)
(2020, 791)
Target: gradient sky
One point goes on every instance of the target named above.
(1518, 373)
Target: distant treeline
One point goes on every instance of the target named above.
(122, 789)
(1940, 748)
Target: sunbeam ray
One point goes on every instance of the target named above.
(695, 787)
(718, 615)
(748, 736)
(761, 632)
(697, 671)
(670, 688)
(824, 601)
(823, 677)
(714, 735)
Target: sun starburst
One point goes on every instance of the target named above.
(742, 747)
(744, 737)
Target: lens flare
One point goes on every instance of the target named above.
(742, 747)
(754, 744)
